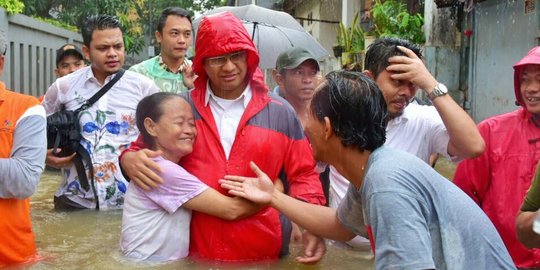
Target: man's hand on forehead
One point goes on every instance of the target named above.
(410, 67)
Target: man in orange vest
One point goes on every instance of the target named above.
(23, 144)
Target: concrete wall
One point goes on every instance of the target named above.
(442, 48)
(31, 53)
(502, 34)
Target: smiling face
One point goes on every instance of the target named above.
(227, 74)
(174, 132)
(530, 88)
(397, 93)
(175, 37)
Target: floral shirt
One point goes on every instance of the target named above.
(108, 127)
(155, 69)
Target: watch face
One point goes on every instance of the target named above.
(442, 88)
(439, 90)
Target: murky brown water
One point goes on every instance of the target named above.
(89, 239)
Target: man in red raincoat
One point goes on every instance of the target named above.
(238, 121)
(499, 179)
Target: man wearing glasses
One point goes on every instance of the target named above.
(237, 122)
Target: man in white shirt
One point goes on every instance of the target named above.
(107, 127)
(445, 128)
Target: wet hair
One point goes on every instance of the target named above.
(151, 107)
(382, 49)
(171, 11)
(356, 109)
(98, 22)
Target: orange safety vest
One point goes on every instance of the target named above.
(16, 237)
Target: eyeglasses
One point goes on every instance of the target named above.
(222, 60)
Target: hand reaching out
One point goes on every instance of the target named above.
(258, 190)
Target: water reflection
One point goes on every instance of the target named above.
(90, 240)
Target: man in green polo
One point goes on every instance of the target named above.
(171, 70)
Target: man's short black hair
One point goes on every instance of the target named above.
(174, 11)
(382, 49)
(98, 22)
(356, 109)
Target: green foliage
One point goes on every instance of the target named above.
(12, 6)
(391, 19)
(139, 17)
(58, 23)
(351, 38)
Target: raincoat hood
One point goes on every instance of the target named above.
(532, 58)
(223, 33)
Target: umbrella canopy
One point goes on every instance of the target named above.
(272, 32)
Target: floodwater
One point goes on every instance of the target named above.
(89, 239)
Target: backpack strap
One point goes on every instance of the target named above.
(82, 157)
(82, 154)
(101, 91)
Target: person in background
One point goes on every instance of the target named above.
(108, 126)
(166, 122)
(69, 59)
(171, 70)
(297, 74)
(498, 180)
(237, 121)
(415, 218)
(23, 143)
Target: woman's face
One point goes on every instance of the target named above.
(175, 132)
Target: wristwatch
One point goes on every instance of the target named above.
(439, 90)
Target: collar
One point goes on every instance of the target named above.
(89, 76)
(404, 117)
(246, 95)
(166, 68)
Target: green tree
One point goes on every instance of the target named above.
(139, 17)
(12, 6)
(391, 19)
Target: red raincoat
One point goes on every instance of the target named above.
(498, 180)
(268, 134)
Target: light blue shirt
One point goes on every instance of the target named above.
(419, 219)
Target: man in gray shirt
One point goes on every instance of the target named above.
(415, 218)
